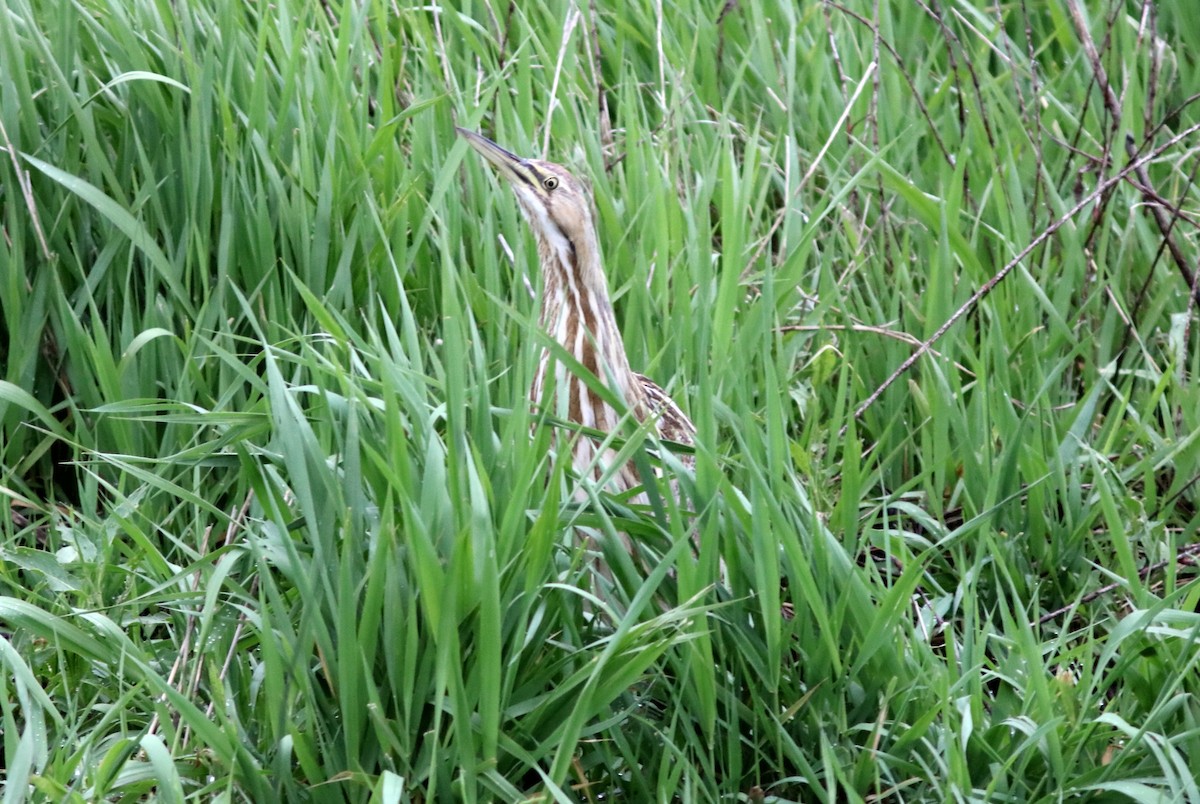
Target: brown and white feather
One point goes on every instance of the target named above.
(577, 312)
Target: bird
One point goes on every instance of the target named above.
(577, 312)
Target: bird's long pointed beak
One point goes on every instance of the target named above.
(511, 166)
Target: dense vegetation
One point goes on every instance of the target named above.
(276, 525)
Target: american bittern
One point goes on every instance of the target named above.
(577, 312)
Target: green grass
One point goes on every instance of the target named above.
(277, 526)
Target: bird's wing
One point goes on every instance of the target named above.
(673, 423)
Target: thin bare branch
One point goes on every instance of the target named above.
(1185, 555)
(1104, 187)
(26, 191)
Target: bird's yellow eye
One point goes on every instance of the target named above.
(550, 182)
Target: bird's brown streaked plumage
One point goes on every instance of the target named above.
(577, 312)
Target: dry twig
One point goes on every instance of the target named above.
(1045, 234)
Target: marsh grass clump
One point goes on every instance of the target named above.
(283, 525)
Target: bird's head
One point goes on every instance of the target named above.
(557, 205)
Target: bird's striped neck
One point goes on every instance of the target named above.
(577, 313)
